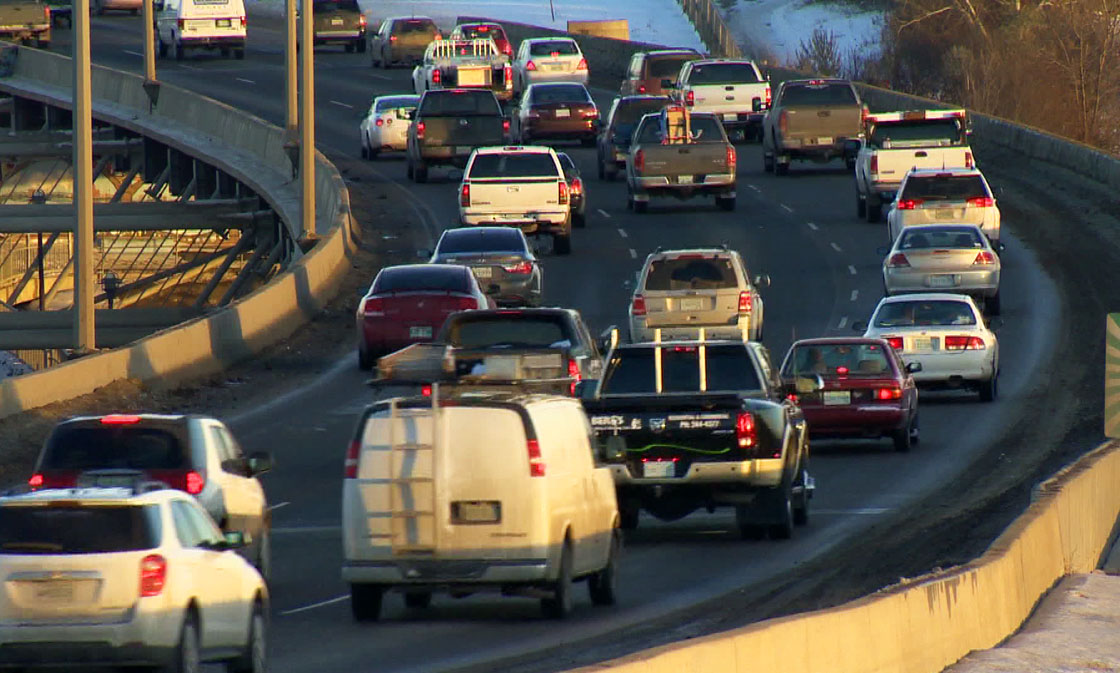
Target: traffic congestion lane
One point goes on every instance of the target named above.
(309, 431)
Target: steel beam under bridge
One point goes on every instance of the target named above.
(145, 216)
(115, 327)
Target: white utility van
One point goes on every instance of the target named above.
(500, 493)
(200, 24)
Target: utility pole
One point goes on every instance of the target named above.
(291, 90)
(149, 42)
(83, 182)
(306, 121)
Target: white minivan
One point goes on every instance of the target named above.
(200, 24)
(501, 493)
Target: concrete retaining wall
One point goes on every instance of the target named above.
(247, 148)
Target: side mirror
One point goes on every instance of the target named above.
(235, 539)
(608, 339)
(260, 462)
(762, 280)
(808, 384)
(585, 389)
(859, 326)
(756, 104)
(913, 367)
(666, 84)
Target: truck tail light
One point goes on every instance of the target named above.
(505, 126)
(244, 21)
(874, 170)
(968, 160)
(182, 23)
(507, 74)
(574, 374)
(768, 97)
(420, 130)
(783, 122)
(531, 67)
(898, 260)
(690, 99)
(641, 88)
(577, 186)
(194, 482)
(982, 201)
(887, 394)
(640, 161)
(638, 305)
(153, 575)
(909, 204)
(350, 466)
(562, 195)
(521, 268)
(437, 76)
(373, 307)
(732, 158)
(536, 462)
(746, 303)
(582, 65)
(984, 257)
(465, 195)
(895, 343)
(47, 13)
(964, 343)
(745, 431)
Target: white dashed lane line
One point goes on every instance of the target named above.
(278, 505)
(836, 247)
(242, 79)
(855, 295)
(132, 53)
(604, 213)
(341, 104)
(320, 604)
(851, 269)
(812, 226)
(786, 208)
(754, 188)
(622, 233)
(633, 253)
(843, 322)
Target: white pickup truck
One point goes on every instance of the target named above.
(733, 90)
(520, 186)
(895, 142)
(463, 64)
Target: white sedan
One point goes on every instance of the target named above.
(549, 59)
(385, 127)
(946, 335)
(944, 258)
(944, 196)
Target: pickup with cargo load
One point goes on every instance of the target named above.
(688, 425)
(895, 142)
(447, 126)
(733, 90)
(463, 64)
(26, 22)
(811, 119)
(679, 154)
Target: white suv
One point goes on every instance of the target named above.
(125, 576)
(940, 196)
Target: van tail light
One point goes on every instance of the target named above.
(984, 257)
(373, 307)
(437, 76)
(244, 21)
(182, 23)
(194, 482)
(582, 64)
(887, 394)
(783, 122)
(531, 67)
(507, 74)
(909, 204)
(638, 305)
(895, 343)
(420, 126)
(563, 193)
(732, 158)
(465, 195)
(574, 375)
(640, 161)
(964, 343)
(153, 575)
(577, 186)
(768, 97)
(536, 462)
(47, 13)
(874, 170)
(745, 431)
(505, 126)
(690, 98)
(982, 201)
(898, 260)
(350, 467)
(746, 303)
(467, 304)
(120, 419)
(968, 160)
(36, 481)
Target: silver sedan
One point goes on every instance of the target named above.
(944, 258)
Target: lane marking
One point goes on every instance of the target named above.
(604, 213)
(278, 505)
(341, 104)
(320, 604)
(857, 510)
(242, 79)
(843, 322)
(303, 530)
(851, 269)
(812, 226)
(384, 77)
(189, 67)
(133, 53)
(633, 253)
(855, 294)
(622, 233)
(836, 247)
(786, 208)
(754, 188)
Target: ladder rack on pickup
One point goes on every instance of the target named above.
(453, 50)
(676, 125)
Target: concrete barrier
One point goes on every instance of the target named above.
(243, 146)
(618, 29)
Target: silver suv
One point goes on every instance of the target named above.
(681, 292)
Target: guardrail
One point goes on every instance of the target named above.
(1112, 376)
(245, 147)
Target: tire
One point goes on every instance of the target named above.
(902, 439)
(263, 562)
(562, 245)
(366, 360)
(602, 584)
(410, 171)
(178, 50)
(628, 516)
(579, 220)
(187, 657)
(239, 54)
(418, 600)
(850, 162)
(783, 530)
(420, 172)
(861, 206)
(161, 47)
(641, 206)
(989, 390)
(602, 170)
(360, 46)
(559, 605)
(874, 211)
(349, 47)
(744, 521)
(781, 168)
(992, 304)
(254, 658)
(801, 505)
(365, 602)
(381, 62)
(725, 203)
(767, 162)
(364, 150)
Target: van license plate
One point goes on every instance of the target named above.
(476, 511)
(222, 23)
(837, 397)
(56, 591)
(420, 331)
(660, 469)
(824, 140)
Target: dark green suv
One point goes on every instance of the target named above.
(340, 22)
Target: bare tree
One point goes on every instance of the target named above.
(820, 54)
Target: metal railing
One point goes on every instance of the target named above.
(708, 23)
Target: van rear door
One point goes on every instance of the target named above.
(212, 18)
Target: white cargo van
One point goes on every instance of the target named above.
(500, 493)
(200, 24)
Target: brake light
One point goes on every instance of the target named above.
(420, 126)
(895, 343)
(746, 303)
(732, 158)
(536, 462)
(574, 374)
(361, 20)
(639, 161)
(521, 268)
(638, 305)
(968, 159)
(350, 466)
(984, 257)
(577, 186)
(530, 66)
(898, 260)
(243, 21)
(874, 164)
(507, 74)
(582, 64)
(465, 195)
(909, 204)
(641, 88)
(982, 201)
(437, 76)
(783, 122)
(195, 482)
(745, 432)
(690, 98)
(507, 49)
(768, 96)
(887, 394)
(467, 304)
(153, 575)
(373, 307)
(563, 194)
(380, 122)
(426, 390)
(120, 419)
(505, 126)
(47, 13)
(393, 38)
(36, 481)
(964, 343)
(181, 22)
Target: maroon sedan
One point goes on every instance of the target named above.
(407, 304)
(863, 390)
(557, 111)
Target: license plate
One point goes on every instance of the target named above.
(660, 469)
(730, 116)
(684, 179)
(476, 511)
(336, 22)
(943, 280)
(693, 304)
(563, 113)
(837, 397)
(555, 66)
(921, 344)
(825, 140)
(944, 214)
(420, 331)
(472, 77)
(482, 272)
(55, 591)
(222, 23)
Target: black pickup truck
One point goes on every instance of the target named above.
(700, 424)
(448, 124)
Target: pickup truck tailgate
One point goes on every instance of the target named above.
(821, 124)
(514, 195)
(684, 162)
(723, 99)
(468, 131)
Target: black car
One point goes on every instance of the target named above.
(614, 138)
(577, 197)
(499, 257)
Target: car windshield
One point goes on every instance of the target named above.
(560, 93)
(133, 447)
(919, 133)
(690, 273)
(426, 278)
(923, 313)
(554, 48)
(723, 73)
(953, 238)
(509, 331)
(839, 360)
(411, 26)
(668, 66)
(513, 164)
(634, 370)
(460, 104)
(818, 94)
(466, 240)
(76, 529)
(944, 188)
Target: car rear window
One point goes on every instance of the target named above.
(938, 133)
(337, 6)
(923, 313)
(690, 273)
(460, 104)
(466, 240)
(513, 164)
(839, 360)
(723, 73)
(427, 278)
(945, 188)
(554, 47)
(483, 32)
(403, 103)
(414, 26)
(78, 529)
(132, 447)
(560, 93)
(963, 238)
(510, 331)
(633, 371)
(818, 94)
(668, 66)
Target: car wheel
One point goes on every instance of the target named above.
(628, 514)
(915, 432)
(364, 150)
(640, 206)
(360, 45)
(989, 390)
(178, 49)
(725, 203)
(366, 360)
(239, 54)
(767, 162)
(579, 220)
(861, 205)
(783, 530)
(418, 600)
(992, 304)
(850, 163)
(409, 170)
(780, 167)
(602, 584)
(420, 172)
(801, 505)
(902, 438)
(349, 47)
(365, 602)
(874, 211)
(562, 245)
(744, 521)
(383, 61)
(254, 658)
(161, 47)
(559, 605)
(187, 658)
(263, 563)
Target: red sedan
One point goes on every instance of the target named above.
(407, 304)
(867, 391)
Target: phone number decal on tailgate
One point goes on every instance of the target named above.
(616, 423)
